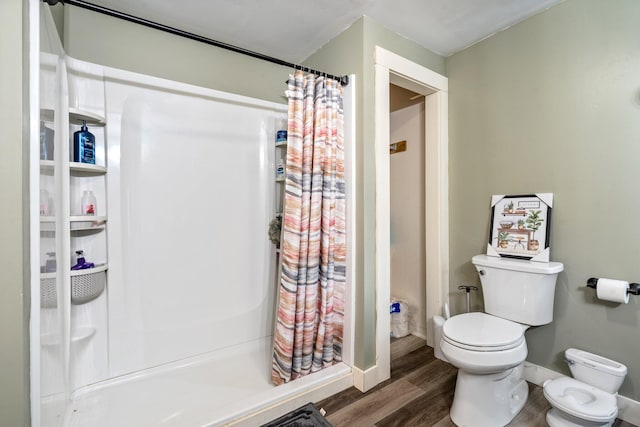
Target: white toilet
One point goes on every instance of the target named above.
(589, 398)
(489, 348)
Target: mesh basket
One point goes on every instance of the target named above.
(48, 293)
(87, 287)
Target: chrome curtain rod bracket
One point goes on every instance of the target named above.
(344, 80)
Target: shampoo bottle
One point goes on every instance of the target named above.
(84, 145)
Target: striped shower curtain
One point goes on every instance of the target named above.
(310, 316)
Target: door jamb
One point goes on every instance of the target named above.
(390, 67)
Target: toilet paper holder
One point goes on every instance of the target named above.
(634, 288)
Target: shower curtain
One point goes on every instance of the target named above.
(310, 316)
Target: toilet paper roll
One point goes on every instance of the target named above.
(613, 290)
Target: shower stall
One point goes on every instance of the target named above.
(173, 326)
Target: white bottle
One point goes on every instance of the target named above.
(280, 169)
(88, 203)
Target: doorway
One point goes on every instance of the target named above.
(392, 68)
(407, 220)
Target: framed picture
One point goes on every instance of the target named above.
(520, 226)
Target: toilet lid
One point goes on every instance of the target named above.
(482, 332)
(581, 400)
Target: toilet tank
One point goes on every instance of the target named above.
(518, 290)
(598, 371)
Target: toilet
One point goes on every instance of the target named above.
(589, 398)
(489, 348)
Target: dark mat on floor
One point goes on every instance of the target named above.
(307, 415)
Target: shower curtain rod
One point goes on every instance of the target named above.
(344, 80)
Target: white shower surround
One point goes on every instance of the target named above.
(191, 287)
(191, 193)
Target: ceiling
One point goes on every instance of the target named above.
(293, 30)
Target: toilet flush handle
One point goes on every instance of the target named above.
(481, 272)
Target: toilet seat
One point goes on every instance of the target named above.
(581, 400)
(482, 332)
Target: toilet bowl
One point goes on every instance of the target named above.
(588, 399)
(489, 348)
(483, 344)
(488, 351)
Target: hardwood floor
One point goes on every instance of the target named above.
(419, 393)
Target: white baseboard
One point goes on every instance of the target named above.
(365, 380)
(628, 409)
(538, 375)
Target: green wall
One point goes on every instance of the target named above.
(101, 39)
(14, 363)
(353, 52)
(553, 105)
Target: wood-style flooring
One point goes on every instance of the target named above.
(419, 393)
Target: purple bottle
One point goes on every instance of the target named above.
(81, 264)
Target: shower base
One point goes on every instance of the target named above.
(229, 387)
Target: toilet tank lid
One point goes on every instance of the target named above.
(596, 362)
(518, 264)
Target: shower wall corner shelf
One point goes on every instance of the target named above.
(71, 92)
(47, 114)
(280, 154)
(79, 334)
(77, 116)
(47, 166)
(47, 223)
(87, 222)
(86, 169)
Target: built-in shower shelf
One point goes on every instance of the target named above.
(79, 334)
(87, 222)
(86, 169)
(82, 333)
(281, 144)
(47, 114)
(49, 340)
(76, 116)
(47, 223)
(46, 166)
(280, 179)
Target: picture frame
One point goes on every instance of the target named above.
(520, 226)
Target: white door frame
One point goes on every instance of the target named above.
(392, 68)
